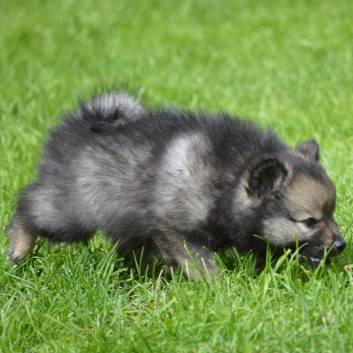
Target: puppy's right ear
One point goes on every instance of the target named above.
(310, 149)
(266, 178)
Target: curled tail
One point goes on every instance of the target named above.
(110, 111)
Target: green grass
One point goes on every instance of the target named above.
(283, 63)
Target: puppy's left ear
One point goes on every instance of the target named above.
(266, 178)
(309, 149)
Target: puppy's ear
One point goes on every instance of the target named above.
(310, 149)
(266, 178)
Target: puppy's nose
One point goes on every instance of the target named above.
(340, 245)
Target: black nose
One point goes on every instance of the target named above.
(340, 245)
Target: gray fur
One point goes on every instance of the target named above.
(170, 180)
(111, 102)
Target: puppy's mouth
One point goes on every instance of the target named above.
(314, 261)
(317, 255)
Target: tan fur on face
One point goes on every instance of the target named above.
(326, 234)
(305, 198)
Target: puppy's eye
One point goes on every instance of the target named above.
(310, 222)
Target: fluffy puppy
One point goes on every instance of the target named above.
(169, 179)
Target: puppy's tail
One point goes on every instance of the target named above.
(110, 111)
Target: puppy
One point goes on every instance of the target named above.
(177, 184)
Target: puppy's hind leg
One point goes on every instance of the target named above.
(22, 241)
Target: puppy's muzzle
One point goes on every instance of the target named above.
(339, 245)
(315, 254)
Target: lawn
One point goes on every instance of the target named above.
(285, 64)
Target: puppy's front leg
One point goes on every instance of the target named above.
(195, 261)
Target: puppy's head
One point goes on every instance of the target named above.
(296, 200)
